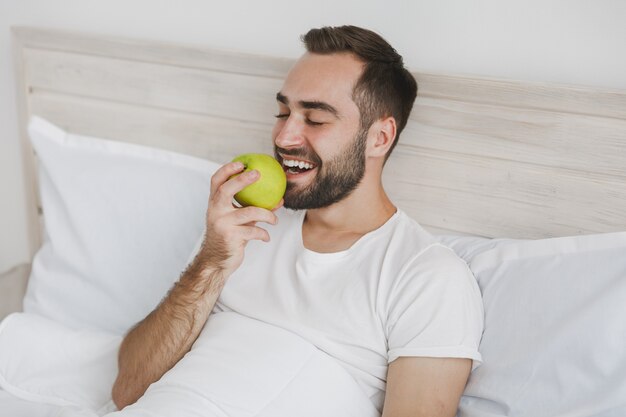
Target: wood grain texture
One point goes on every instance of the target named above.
(151, 51)
(31, 193)
(209, 137)
(440, 188)
(538, 96)
(494, 158)
(548, 138)
(244, 97)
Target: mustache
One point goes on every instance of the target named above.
(301, 153)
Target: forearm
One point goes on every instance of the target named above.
(158, 342)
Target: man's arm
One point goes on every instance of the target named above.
(425, 387)
(159, 341)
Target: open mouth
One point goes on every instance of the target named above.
(297, 166)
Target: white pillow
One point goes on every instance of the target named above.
(120, 222)
(555, 326)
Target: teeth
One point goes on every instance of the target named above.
(300, 164)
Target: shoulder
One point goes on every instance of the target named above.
(409, 231)
(441, 257)
(423, 246)
(419, 262)
(410, 245)
(434, 271)
(429, 262)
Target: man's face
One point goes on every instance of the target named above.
(317, 134)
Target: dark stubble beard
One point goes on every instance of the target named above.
(335, 179)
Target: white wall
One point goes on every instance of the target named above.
(566, 41)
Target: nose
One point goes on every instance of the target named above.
(288, 134)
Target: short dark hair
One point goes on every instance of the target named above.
(385, 87)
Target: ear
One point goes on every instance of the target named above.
(383, 133)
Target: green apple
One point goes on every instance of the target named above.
(269, 189)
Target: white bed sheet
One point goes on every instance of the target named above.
(11, 406)
(257, 369)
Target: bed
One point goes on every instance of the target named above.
(525, 181)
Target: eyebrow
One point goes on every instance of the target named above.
(310, 104)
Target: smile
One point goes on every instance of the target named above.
(296, 166)
(291, 163)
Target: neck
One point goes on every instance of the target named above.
(367, 208)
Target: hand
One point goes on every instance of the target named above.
(228, 228)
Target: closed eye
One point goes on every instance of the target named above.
(307, 121)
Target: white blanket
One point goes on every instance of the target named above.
(48, 363)
(238, 367)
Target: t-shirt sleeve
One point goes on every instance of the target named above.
(435, 308)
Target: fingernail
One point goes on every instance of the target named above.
(238, 165)
(254, 173)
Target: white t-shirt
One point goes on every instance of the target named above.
(395, 292)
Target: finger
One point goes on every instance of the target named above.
(227, 190)
(279, 205)
(255, 233)
(223, 174)
(251, 214)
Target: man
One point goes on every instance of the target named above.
(348, 271)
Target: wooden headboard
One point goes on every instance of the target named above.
(483, 157)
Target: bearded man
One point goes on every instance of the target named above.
(343, 267)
